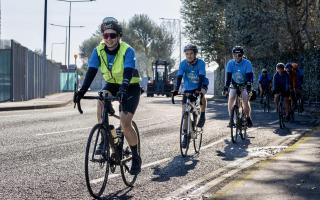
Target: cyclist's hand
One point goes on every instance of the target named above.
(249, 87)
(225, 90)
(203, 91)
(174, 92)
(122, 94)
(78, 95)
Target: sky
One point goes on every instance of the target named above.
(23, 20)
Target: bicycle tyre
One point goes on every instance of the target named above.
(104, 162)
(127, 178)
(235, 118)
(184, 151)
(198, 140)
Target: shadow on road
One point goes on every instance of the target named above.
(120, 194)
(179, 166)
(233, 151)
(282, 132)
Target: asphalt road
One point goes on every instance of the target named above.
(42, 151)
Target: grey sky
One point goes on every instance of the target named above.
(22, 20)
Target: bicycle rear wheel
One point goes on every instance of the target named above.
(97, 166)
(268, 102)
(185, 127)
(235, 122)
(281, 115)
(126, 160)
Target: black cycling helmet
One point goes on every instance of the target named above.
(191, 47)
(238, 50)
(111, 23)
(280, 65)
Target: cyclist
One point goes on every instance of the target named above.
(296, 81)
(280, 86)
(239, 73)
(265, 83)
(116, 60)
(193, 72)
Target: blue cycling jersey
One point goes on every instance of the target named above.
(129, 59)
(281, 82)
(239, 70)
(265, 80)
(191, 72)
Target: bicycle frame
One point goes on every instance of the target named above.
(192, 108)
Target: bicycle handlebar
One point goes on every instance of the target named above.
(100, 97)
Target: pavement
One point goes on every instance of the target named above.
(50, 101)
(292, 174)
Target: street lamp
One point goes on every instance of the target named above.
(52, 46)
(179, 21)
(69, 26)
(66, 43)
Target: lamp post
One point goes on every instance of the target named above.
(179, 22)
(44, 60)
(52, 46)
(69, 26)
(66, 42)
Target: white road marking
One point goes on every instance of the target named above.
(58, 132)
(194, 183)
(273, 122)
(201, 190)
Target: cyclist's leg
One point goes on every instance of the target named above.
(111, 90)
(203, 106)
(127, 110)
(231, 103)
(246, 106)
(286, 96)
(231, 99)
(100, 106)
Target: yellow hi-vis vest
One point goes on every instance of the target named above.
(115, 75)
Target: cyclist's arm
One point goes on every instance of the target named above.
(202, 74)
(179, 76)
(249, 73)
(94, 64)
(229, 74)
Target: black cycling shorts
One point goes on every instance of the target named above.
(133, 92)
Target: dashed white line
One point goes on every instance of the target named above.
(57, 132)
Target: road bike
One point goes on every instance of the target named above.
(115, 149)
(238, 119)
(188, 125)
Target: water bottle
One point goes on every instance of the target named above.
(119, 134)
(114, 134)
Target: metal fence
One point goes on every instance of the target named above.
(23, 76)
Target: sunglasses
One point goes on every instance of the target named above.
(110, 35)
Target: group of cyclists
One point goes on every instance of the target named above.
(287, 81)
(117, 62)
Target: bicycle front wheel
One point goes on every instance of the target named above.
(126, 160)
(235, 123)
(97, 165)
(185, 127)
(198, 140)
